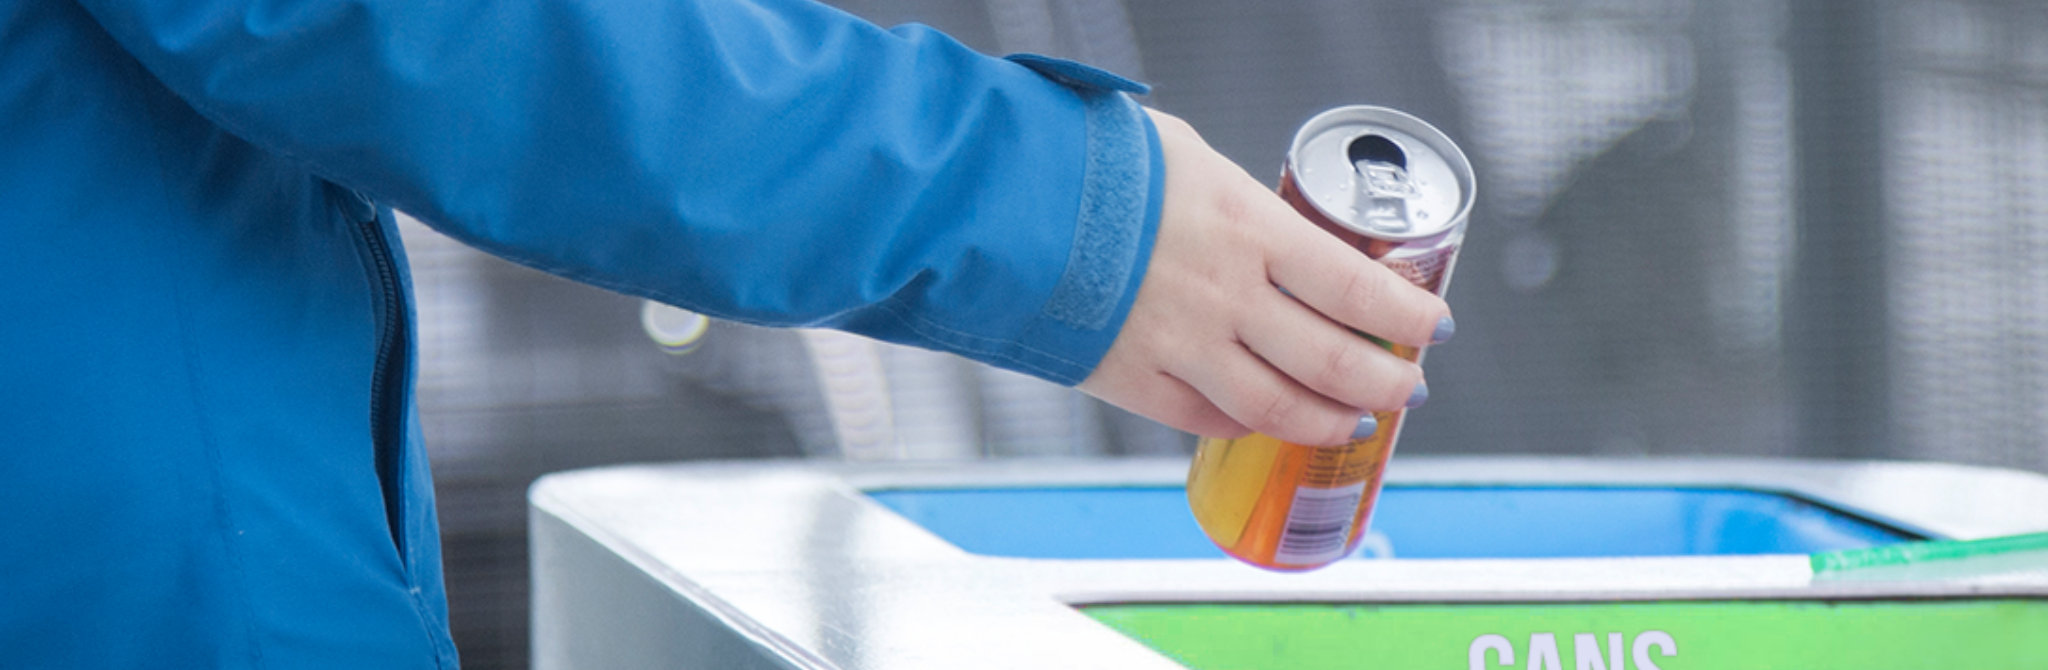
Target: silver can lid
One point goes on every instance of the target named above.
(1382, 173)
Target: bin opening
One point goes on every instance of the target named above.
(1153, 522)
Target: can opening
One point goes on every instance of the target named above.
(1376, 149)
(1384, 187)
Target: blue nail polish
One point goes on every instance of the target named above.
(1421, 395)
(1445, 328)
(1366, 427)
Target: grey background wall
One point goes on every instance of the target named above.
(1760, 227)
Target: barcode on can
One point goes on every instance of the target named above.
(1318, 524)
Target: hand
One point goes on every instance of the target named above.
(1214, 346)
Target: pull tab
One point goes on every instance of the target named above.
(1384, 188)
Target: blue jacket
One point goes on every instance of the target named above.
(209, 454)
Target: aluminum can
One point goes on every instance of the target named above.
(1399, 191)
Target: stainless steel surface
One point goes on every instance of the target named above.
(790, 565)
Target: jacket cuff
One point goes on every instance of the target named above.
(1122, 182)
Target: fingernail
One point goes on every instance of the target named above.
(1445, 328)
(1366, 427)
(1421, 395)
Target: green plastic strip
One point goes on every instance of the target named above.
(1665, 635)
(1921, 552)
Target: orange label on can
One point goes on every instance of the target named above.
(1288, 506)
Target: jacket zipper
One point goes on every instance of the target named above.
(387, 378)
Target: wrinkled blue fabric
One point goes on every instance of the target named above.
(209, 454)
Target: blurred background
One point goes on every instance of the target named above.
(1751, 227)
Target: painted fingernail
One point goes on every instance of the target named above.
(1366, 427)
(1445, 328)
(1421, 395)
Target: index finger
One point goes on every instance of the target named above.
(1341, 282)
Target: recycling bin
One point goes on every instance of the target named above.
(1476, 562)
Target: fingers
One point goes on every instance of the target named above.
(1329, 359)
(1229, 393)
(1343, 284)
(1194, 375)
(1162, 398)
(1268, 401)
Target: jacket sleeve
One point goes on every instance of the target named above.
(769, 161)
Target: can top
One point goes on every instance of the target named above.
(1382, 173)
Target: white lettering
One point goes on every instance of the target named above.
(1665, 647)
(1476, 656)
(1586, 652)
(1543, 652)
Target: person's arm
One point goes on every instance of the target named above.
(780, 162)
(770, 161)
